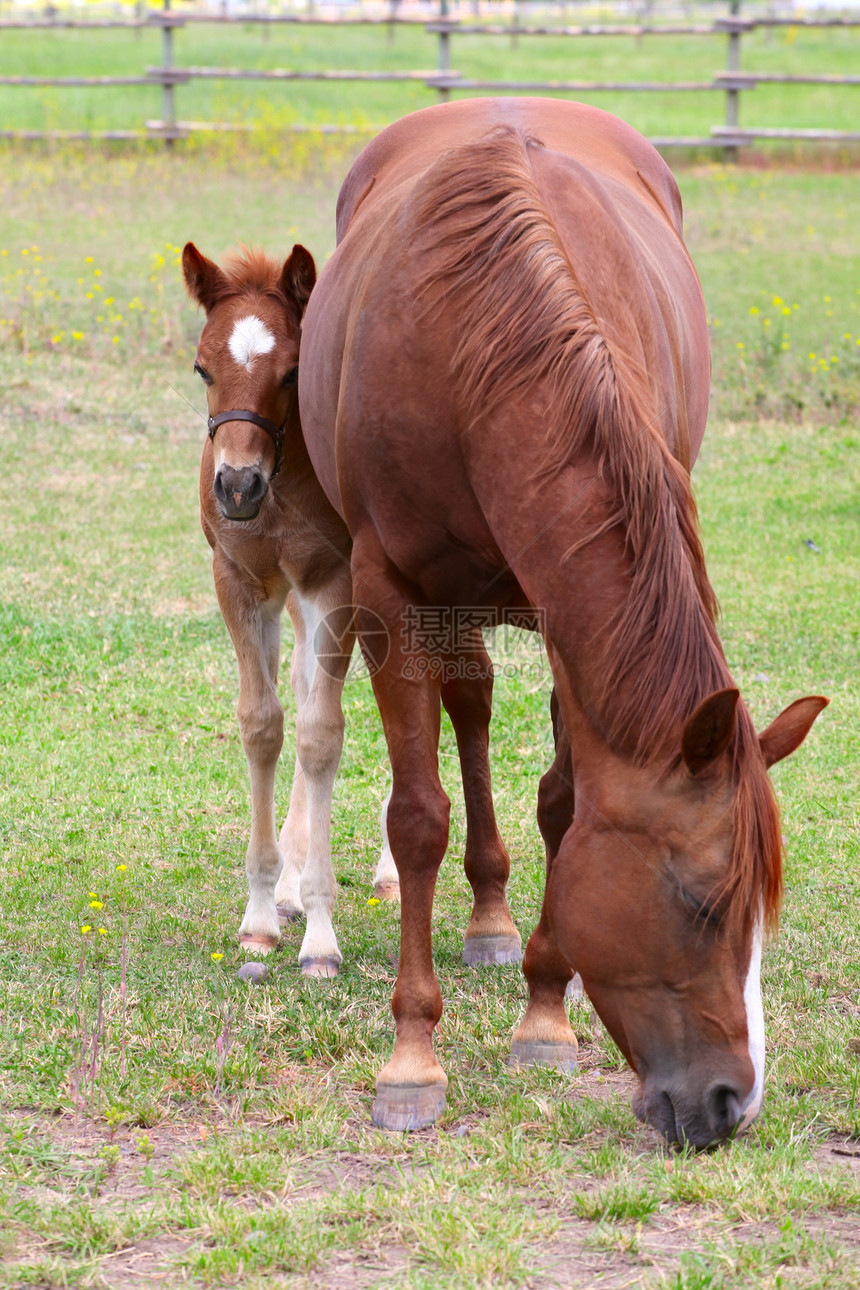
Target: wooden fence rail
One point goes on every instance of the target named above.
(443, 79)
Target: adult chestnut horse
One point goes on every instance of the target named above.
(504, 378)
(276, 539)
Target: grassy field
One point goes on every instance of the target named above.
(271, 106)
(221, 1135)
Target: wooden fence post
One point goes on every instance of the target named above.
(732, 93)
(444, 63)
(168, 113)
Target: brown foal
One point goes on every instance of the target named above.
(277, 540)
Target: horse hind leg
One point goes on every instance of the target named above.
(491, 936)
(544, 1037)
(386, 883)
(293, 841)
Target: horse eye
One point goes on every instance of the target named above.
(201, 372)
(701, 909)
(291, 377)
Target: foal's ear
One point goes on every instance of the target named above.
(790, 728)
(298, 277)
(709, 730)
(203, 278)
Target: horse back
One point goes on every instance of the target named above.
(613, 206)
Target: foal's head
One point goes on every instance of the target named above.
(248, 358)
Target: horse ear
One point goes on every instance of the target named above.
(709, 730)
(790, 728)
(203, 278)
(298, 277)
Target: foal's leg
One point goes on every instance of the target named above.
(327, 640)
(254, 627)
(293, 840)
(386, 884)
(410, 1089)
(544, 1037)
(491, 936)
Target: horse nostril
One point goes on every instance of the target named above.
(239, 492)
(258, 488)
(724, 1109)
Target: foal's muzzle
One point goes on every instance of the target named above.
(240, 493)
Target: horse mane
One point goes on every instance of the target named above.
(521, 319)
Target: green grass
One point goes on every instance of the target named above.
(272, 106)
(257, 1164)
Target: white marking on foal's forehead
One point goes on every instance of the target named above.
(250, 339)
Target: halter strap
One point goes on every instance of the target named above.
(275, 433)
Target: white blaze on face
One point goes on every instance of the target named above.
(251, 338)
(755, 1029)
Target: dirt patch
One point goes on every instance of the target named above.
(150, 1262)
(360, 1271)
(127, 1163)
(840, 1153)
(655, 1249)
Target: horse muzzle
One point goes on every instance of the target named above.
(240, 493)
(697, 1119)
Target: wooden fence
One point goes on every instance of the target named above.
(732, 82)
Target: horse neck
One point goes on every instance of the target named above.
(634, 635)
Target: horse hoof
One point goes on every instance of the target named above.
(387, 891)
(286, 914)
(492, 949)
(543, 1052)
(325, 967)
(401, 1107)
(260, 944)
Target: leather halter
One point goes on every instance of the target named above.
(275, 433)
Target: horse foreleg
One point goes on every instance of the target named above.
(293, 839)
(254, 627)
(544, 1037)
(491, 936)
(410, 1089)
(327, 648)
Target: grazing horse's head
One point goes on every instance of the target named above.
(248, 358)
(659, 897)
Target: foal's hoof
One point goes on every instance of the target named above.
(387, 891)
(325, 967)
(400, 1107)
(543, 1052)
(287, 914)
(258, 944)
(492, 949)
